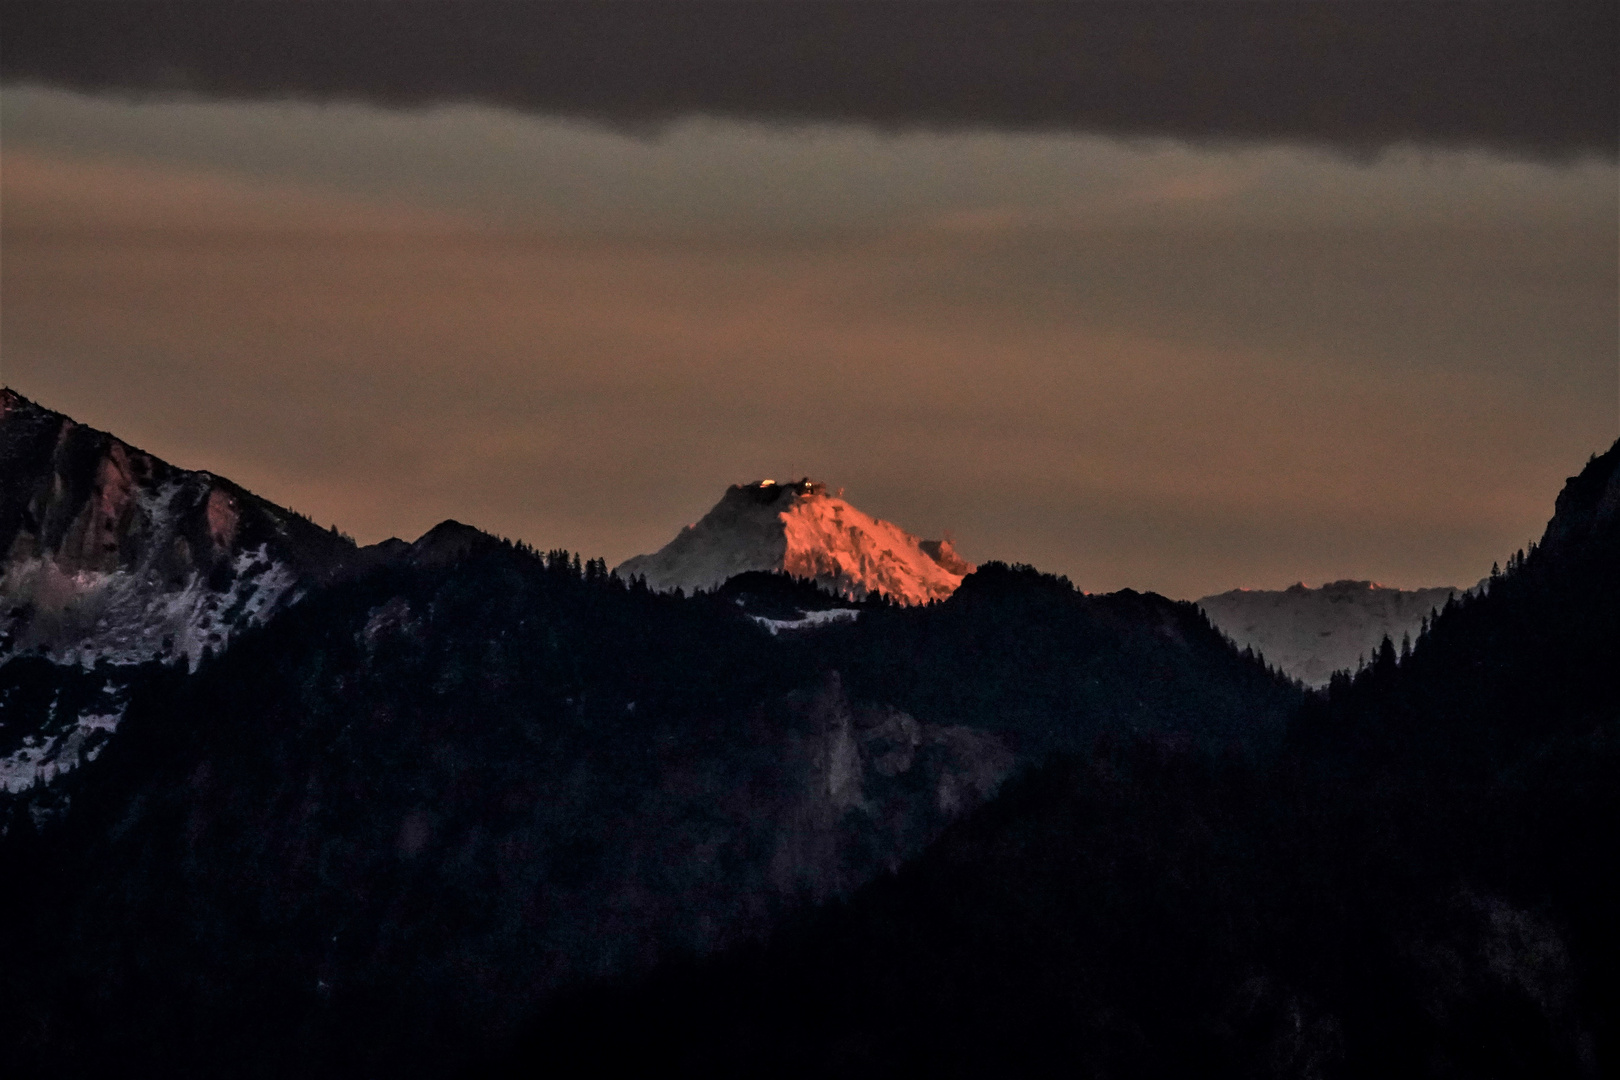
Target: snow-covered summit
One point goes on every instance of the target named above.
(803, 530)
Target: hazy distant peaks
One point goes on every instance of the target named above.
(1311, 633)
(1344, 586)
(797, 527)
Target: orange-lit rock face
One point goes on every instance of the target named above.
(801, 529)
(109, 553)
(92, 540)
(222, 519)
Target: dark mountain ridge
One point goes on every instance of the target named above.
(449, 786)
(459, 777)
(1420, 883)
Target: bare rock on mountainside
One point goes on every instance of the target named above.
(111, 558)
(107, 552)
(1311, 633)
(1589, 503)
(800, 529)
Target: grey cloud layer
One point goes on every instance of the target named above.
(1537, 78)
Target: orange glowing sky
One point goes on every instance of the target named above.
(1138, 362)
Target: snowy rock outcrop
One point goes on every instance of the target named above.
(107, 552)
(110, 558)
(1311, 633)
(800, 529)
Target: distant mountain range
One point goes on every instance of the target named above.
(111, 553)
(802, 530)
(1311, 633)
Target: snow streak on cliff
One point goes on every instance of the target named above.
(111, 557)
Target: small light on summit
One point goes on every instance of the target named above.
(767, 483)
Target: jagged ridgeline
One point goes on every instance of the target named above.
(110, 553)
(447, 781)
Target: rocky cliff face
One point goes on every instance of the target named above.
(804, 531)
(109, 558)
(1311, 633)
(878, 784)
(107, 552)
(1588, 507)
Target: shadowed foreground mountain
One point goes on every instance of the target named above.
(1422, 882)
(459, 778)
(111, 558)
(460, 805)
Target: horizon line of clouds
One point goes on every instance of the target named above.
(1528, 79)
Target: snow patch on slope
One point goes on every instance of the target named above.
(43, 760)
(809, 620)
(73, 726)
(127, 617)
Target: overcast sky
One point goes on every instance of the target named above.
(1171, 348)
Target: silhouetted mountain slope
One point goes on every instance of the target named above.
(1422, 884)
(1026, 654)
(1530, 660)
(379, 831)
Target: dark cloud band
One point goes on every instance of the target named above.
(1534, 78)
